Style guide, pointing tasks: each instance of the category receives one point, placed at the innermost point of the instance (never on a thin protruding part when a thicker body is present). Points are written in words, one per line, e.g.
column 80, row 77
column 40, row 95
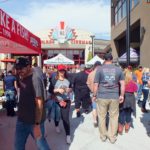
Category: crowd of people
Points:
column 107, row 90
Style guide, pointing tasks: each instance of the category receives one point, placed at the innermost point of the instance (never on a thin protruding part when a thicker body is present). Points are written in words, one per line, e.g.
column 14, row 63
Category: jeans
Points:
column 53, row 110
column 65, row 117
column 23, row 130
column 139, row 92
column 11, row 102
column 145, row 97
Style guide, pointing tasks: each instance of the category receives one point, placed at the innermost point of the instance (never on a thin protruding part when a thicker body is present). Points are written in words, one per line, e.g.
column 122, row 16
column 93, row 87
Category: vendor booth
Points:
column 94, row 59
column 134, row 57
column 59, row 59
column 16, row 39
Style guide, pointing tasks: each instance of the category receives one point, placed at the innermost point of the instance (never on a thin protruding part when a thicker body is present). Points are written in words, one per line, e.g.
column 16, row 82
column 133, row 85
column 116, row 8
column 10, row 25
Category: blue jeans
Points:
column 11, row 102
column 10, row 95
column 145, row 97
column 53, row 110
column 23, row 130
column 125, row 116
column 139, row 92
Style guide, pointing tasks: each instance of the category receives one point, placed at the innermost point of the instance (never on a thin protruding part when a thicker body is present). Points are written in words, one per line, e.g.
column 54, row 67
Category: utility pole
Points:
column 92, row 37
column 128, row 31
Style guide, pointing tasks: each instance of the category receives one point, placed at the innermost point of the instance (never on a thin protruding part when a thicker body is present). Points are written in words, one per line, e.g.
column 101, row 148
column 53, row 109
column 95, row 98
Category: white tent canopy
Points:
column 94, row 59
column 59, row 59
column 133, row 56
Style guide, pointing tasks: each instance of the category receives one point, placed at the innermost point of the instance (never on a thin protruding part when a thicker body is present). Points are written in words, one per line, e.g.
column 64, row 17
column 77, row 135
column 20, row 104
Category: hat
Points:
column 97, row 63
column 108, row 56
column 61, row 67
column 21, row 62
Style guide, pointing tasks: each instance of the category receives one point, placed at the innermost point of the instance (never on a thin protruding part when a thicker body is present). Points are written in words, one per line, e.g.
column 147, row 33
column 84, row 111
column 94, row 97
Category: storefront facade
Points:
column 75, row 44
column 139, row 30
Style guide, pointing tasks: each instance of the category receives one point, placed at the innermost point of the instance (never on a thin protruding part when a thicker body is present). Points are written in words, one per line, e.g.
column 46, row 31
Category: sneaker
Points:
column 68, row 139
column 113, row 140
column 104, row 138
column 78, row 114
column 86, row 111
column 144, row 110
column 57, row 130
column 95, row 124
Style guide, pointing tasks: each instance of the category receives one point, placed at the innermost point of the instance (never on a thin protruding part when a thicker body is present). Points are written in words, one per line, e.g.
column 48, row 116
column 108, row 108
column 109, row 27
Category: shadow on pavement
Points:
column 145, row 119
column 56, row 141
column 75, row 122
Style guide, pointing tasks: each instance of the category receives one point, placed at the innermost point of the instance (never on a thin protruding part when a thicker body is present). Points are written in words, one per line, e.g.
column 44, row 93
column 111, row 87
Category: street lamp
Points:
column 128, row 31
column 92, row 37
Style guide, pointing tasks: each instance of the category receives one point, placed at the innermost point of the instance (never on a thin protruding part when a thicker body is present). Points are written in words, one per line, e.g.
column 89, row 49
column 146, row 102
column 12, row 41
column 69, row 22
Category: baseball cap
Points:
column 108, row 56
column 97, row 63
column 21, row 62
column 61, row 67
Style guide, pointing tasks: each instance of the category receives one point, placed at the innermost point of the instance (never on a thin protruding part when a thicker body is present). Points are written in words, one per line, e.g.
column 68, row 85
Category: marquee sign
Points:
column 62, row 33
column 13, row 31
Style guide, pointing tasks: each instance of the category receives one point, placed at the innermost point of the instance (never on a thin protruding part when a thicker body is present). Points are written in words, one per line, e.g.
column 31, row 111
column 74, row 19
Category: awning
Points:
column 59, row 59
column 134, row 57
column 94, row 59
column 16, row 39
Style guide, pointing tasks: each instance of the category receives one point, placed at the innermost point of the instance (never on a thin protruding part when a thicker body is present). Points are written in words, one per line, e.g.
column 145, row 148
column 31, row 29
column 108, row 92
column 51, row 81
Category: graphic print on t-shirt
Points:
column 109, row 77
column 63, row 85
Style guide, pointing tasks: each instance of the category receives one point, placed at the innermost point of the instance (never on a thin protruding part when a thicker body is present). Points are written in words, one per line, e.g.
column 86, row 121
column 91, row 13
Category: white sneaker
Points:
column 68, row 139
column 57, row 129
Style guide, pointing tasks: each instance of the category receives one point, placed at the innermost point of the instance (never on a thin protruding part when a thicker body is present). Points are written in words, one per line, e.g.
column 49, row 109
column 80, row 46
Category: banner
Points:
column 12, row 30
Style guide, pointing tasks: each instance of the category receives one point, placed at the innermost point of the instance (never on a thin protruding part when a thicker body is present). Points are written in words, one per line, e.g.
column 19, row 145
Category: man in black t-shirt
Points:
column 31, row 111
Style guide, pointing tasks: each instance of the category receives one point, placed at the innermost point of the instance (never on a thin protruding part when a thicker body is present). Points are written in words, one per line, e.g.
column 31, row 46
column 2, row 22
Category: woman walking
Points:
column 62, row 90
column 129, row 104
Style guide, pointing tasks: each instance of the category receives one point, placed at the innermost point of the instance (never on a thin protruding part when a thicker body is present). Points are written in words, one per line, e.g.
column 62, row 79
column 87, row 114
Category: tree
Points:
column 89, row 56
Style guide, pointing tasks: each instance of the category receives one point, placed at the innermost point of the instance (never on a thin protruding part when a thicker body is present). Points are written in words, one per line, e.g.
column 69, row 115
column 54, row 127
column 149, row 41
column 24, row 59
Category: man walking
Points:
column 90, row 84
column 139, row 74
column 108, row 80
column 10, row 88
column 31, row 112
column 82, row 92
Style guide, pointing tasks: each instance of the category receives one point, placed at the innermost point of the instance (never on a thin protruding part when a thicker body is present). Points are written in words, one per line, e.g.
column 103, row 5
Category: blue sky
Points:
column 38, row 15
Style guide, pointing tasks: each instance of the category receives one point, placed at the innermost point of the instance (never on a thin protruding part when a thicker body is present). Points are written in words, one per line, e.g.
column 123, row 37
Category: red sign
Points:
column 13, row 31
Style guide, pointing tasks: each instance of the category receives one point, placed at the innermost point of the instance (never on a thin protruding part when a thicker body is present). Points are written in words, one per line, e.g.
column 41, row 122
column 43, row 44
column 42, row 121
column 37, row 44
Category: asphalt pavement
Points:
column 83, row 134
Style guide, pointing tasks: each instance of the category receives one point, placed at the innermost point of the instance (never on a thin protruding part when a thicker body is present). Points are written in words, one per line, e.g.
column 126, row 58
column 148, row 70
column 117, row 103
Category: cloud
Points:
column 92, row 16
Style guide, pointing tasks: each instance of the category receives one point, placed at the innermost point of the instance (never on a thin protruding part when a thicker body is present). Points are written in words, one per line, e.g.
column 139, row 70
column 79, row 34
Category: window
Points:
column 130, row 4
column 119, row 15
column 136, row 2
column 116, row 18
column 70, row 54
column 124, row 11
